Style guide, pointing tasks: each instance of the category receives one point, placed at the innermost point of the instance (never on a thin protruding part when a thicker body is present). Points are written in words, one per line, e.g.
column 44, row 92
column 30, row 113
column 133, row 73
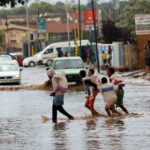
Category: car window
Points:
column 5, row 58
column 8, row 67
column 48, row 51
column 58, row 49
column 68, row 64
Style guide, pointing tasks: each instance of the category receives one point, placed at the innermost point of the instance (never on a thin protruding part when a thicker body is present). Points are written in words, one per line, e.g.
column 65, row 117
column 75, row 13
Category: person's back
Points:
column 108, row 91
column 62, row 83
column 109, row 96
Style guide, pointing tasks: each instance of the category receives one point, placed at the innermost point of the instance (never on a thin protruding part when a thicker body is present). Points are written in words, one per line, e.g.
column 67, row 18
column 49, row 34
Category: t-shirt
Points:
column 117, row 80
column 104, row 56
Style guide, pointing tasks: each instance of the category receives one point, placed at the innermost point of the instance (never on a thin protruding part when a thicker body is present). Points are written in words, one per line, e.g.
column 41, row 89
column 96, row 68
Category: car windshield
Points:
column 5, row 58
column 68, row 64
column 8, row 67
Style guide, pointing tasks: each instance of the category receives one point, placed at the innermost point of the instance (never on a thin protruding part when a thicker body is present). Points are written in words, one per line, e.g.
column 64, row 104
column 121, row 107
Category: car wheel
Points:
column 49, row 63
column 31, row 64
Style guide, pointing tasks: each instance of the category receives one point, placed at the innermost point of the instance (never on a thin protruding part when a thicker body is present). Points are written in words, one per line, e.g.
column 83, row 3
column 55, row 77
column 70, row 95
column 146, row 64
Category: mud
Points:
column 47, row 86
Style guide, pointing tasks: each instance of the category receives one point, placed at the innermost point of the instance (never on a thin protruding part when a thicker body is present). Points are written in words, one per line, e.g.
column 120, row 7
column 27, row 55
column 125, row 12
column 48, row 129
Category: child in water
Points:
column 109, row 96
column 91, row 88
column 60, row 86
column 118, row 82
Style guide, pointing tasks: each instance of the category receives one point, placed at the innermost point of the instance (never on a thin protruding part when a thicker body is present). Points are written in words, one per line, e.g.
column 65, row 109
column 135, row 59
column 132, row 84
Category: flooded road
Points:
column 21, row 126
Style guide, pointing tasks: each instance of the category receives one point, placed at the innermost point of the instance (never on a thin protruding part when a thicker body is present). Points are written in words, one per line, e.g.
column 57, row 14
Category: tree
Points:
column 127, row 18
column 110, row 32
column 42, row 7
column 95, row 4
column 12, row 3
column 60, row 4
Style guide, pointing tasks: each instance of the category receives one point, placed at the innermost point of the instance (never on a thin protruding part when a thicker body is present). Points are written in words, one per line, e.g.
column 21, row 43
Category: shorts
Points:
column 58, row 100
column 120, row 97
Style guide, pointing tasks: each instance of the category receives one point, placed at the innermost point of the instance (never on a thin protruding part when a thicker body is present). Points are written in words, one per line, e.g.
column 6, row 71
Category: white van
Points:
column 49, row 53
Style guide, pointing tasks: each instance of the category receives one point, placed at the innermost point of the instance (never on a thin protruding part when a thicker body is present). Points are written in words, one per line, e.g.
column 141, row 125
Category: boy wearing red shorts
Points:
column 92, row 79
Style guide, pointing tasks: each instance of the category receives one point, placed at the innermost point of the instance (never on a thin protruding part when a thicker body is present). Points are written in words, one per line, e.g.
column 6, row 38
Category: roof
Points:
column 13, row 26
column 61, row 27
column 67, row 58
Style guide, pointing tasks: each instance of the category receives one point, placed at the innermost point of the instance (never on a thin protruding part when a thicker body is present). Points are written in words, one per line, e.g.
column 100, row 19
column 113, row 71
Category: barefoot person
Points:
column 109, row 96
column 91, row 81
column 60, row 86
column 118, row 82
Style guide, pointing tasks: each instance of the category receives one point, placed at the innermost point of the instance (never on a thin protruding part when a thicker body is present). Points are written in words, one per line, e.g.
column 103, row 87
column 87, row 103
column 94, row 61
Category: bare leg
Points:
column 108, row 111
column 124, row 109
column 114, row 110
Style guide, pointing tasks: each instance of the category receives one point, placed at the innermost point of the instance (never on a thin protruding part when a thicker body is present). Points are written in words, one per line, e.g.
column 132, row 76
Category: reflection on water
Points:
column 114, row 123
column 21, row 126
column 92, row 136
column 59, row 137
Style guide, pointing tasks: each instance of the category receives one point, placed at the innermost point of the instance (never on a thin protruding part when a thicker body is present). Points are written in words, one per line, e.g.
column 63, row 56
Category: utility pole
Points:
column 79, row 24
column 94, row 18
column 68, row 29
column 75, row 32
column 6, row 23
column 38, row 39
column 28, row 32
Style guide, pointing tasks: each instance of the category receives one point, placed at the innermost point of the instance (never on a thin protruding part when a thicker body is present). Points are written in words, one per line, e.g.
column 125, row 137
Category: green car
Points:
column 72, row 67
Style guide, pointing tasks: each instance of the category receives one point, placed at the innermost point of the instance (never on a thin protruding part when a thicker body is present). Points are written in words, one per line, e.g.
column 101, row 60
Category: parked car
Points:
column 72, row 67
column 18, row 57
column 49, row 53
column 5, row 57
column 10, row 72
column 32, row 61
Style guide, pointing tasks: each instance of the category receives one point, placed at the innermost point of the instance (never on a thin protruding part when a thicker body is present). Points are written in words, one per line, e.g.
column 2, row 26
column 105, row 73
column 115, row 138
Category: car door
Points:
column 48, row 54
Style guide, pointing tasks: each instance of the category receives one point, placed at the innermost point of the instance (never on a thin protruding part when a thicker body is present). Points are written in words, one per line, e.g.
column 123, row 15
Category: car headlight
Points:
column 16, row 76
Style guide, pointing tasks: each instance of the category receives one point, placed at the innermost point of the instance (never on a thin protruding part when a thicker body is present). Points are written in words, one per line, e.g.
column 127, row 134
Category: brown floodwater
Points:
column 22, row 128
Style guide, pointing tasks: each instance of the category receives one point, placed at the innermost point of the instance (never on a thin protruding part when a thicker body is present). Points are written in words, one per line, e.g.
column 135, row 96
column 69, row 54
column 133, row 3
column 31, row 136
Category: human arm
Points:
column 55, row 84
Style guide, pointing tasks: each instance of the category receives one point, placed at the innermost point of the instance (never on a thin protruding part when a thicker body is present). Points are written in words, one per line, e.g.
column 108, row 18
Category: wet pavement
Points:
column 32, row 76
column 22, row 128
column 37, row 76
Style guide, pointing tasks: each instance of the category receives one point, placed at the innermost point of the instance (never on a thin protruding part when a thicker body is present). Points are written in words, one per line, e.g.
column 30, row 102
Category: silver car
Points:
column 5, row 58
column 9, row 72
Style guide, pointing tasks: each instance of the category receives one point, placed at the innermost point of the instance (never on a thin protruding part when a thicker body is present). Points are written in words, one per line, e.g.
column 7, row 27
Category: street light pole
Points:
column 6, row 23
column 27, row 19
column 68, row 29
column 79, row 24
column 94, row 18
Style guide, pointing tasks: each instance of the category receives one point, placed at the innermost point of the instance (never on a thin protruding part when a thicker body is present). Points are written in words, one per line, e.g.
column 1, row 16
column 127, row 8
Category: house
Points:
column 58, row 30
column 13, row 35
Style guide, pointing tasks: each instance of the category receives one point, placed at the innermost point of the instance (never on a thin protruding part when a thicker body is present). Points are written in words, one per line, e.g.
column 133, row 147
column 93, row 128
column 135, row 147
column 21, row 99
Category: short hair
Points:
column 82, row 73
column 104, row 80
column 92, row 71
column 111, row 69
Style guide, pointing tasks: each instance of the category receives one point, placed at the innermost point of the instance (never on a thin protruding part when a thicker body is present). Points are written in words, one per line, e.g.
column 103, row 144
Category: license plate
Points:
column 71, row 83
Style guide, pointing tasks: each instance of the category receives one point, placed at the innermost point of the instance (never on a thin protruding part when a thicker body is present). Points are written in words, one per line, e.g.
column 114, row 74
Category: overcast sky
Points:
column 82, row 1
